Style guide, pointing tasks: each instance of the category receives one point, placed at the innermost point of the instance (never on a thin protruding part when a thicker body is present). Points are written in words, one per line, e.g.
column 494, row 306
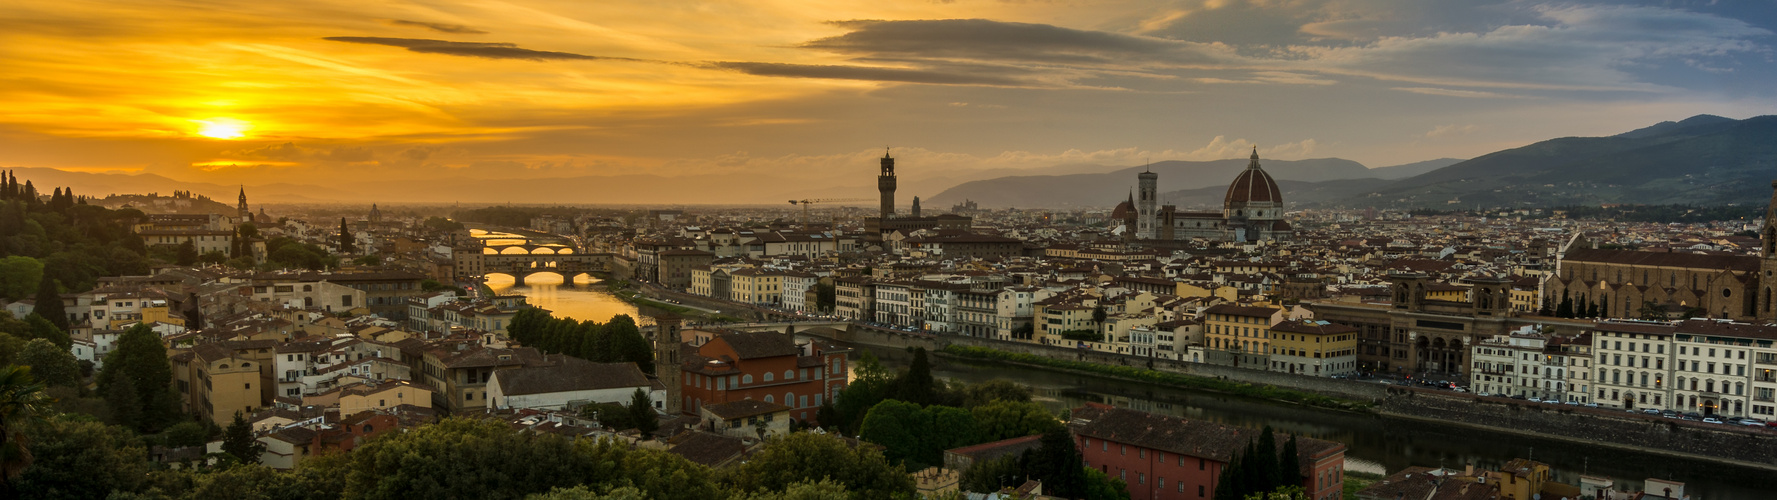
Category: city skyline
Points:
column 483, row 90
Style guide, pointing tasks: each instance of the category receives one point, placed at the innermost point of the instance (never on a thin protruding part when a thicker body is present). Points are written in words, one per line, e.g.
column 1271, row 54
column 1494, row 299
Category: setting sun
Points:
column 222, row 128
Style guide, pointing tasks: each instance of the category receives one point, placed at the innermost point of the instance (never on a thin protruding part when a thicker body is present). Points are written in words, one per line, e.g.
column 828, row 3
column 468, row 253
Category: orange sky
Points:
column 267, row 92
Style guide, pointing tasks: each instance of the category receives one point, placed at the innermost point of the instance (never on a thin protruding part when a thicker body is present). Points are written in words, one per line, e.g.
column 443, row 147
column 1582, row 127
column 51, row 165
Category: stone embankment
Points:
column 1739, row 445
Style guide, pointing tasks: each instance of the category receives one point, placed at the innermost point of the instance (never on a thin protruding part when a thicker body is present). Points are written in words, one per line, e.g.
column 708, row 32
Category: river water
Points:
column 1374, row 444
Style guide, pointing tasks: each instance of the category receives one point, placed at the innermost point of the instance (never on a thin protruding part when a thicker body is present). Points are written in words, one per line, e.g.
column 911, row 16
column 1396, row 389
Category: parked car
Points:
column 1483, row 393
column 1651, row 411
column 1534, row 399
column 1712, row 420
column 1573, row 403
column 1752, row 422
column 1591, row 405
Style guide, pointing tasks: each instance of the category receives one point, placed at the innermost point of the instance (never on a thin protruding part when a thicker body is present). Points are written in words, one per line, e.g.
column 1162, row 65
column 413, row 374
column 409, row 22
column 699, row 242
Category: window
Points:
column 745, row 379
column 789, row 374
column 767, row 376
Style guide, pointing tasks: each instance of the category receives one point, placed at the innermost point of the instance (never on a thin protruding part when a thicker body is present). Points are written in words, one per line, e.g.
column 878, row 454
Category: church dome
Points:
column 1124, row 210
column 1253, row 186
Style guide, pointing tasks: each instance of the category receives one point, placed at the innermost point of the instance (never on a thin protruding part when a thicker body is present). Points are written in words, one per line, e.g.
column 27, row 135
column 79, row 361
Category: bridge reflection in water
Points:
column 583, row 299
column 1374, row 443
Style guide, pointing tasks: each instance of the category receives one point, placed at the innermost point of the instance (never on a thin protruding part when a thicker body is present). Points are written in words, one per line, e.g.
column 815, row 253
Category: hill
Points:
column 1705, row 160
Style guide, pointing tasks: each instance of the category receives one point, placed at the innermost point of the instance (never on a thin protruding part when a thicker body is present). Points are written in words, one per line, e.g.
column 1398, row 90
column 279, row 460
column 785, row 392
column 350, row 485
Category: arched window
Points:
column 746, row 379
column 789, row 374
column 790, row 399
column 768, row 399
column 308, row 288
column 767, row 376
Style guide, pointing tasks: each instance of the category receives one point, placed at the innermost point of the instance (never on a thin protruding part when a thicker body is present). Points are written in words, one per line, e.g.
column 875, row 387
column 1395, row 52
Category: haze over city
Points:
column 774, row 98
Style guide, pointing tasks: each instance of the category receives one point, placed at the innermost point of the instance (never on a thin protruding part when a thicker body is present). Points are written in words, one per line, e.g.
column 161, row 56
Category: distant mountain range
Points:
column 1705, row 160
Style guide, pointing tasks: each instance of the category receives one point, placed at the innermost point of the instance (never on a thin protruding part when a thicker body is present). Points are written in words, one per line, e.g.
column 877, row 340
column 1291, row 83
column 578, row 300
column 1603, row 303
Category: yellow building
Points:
column 1316, row 348
column 1055, row 319
column 215, row 381
column 756, row 286
column 1227, row 293
column 1446, row 291
column 1238, row 335
column 1520, row 479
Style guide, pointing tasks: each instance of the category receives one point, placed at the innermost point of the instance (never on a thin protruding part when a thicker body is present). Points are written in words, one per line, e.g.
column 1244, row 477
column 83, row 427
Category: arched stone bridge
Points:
column 566, row 262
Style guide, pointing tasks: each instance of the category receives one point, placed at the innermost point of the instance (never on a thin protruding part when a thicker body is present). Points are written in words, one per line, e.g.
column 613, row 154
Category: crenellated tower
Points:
column 885, row 183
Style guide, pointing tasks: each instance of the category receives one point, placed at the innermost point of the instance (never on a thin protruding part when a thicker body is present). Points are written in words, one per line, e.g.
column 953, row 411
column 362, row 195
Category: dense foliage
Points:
column 1057, row 463
column 136, row 382
column 73, row 243
column 802, row 457
column 1261, row 469
column 620, row 340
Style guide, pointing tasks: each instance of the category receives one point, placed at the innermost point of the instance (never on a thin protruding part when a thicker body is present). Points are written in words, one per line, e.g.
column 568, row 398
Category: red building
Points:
column 1167, row 458
column 766, row 366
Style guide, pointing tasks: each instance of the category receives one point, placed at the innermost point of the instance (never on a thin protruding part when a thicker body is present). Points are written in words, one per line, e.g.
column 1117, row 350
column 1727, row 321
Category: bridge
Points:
column 521, row 261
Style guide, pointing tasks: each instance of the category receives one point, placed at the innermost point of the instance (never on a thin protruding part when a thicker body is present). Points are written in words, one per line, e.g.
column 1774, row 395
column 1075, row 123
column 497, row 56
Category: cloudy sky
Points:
column 321, row 90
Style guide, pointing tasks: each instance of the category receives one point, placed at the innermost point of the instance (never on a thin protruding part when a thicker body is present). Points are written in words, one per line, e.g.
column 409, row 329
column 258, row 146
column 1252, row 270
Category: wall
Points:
column 1715, row 442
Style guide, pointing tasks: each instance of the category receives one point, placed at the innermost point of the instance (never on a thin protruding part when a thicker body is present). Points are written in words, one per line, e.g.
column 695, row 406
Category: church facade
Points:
column 1252, row 210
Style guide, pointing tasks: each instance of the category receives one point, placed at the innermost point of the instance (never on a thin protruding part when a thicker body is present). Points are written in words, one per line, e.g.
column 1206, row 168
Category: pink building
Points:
column 1167, row 458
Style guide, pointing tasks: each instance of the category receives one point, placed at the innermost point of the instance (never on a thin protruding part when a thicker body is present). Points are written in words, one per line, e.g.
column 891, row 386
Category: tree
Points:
column 627, row 343
column 347, row 244
column 917, row 385
column 22, row 401
column 139, row 358
column 896, row 425
column 1281, row 493
column 1289, row 468
column 187, row 253
column 1100, row 486
column 1565, row 310
column 49, row 303
column 826, row 296
column 1059, row 465
column 238, row 441
column 989, row 476
column 1008, row 419
column 641, row 413
column 185, row 434
column 1098, row 315
column 49, row 363
column 43, row 328
column 988, row 392
column 17, row 275
column 800, row 457
column 463, row 458
column 76, row 458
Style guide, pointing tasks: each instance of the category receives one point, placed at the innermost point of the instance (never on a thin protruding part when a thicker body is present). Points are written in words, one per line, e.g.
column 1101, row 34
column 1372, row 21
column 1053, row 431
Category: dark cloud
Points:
column 469, row 49
column 987, row 40
column 869, row 73
column 438, row 27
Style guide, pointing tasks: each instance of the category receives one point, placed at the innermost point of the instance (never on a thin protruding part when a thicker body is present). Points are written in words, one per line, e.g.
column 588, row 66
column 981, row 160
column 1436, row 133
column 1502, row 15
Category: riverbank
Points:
column 623, row 291
column 1133, row 374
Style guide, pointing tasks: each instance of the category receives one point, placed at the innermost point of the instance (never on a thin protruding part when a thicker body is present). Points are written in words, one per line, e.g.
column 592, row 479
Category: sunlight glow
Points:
column 222, row 128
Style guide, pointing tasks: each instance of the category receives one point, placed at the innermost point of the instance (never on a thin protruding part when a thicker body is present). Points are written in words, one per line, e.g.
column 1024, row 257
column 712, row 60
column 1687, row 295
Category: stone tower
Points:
column 1765, row 310
column 885, row 183
column 1144, row 207
column 668, row 368
column 915, row 211
column 246, row 214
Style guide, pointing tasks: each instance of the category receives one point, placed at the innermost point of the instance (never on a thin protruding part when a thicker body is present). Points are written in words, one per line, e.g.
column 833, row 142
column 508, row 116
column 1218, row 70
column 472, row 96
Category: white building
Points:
column 1633, row 361
column 1524, row 363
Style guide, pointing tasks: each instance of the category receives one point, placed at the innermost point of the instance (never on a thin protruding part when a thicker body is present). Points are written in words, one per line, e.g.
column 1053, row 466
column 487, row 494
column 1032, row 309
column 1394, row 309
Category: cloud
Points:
column 988, row 40
column 879, row 74
column 469, row 49
column 1450, row 130
column 291, row 152
column 1453, row 92
column 438, row 27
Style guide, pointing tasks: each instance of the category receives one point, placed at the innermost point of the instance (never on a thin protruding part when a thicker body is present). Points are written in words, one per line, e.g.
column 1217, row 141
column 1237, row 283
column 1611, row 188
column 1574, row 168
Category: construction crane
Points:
column 806, row 203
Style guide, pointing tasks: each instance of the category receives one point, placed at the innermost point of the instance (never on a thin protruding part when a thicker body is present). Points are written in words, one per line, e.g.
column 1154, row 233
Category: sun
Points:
column 222, row 128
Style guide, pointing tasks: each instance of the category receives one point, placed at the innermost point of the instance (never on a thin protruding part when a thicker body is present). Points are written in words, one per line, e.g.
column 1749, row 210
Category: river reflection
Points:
column 584, row 299
column 1373, row 443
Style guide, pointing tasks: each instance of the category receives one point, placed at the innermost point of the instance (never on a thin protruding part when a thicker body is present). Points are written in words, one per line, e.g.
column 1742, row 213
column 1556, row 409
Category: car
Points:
column 1459, row 389
column 1591, row 405
column 1712, row 420
column 1483, row 393
column 1573, row 403
column 1752, row 422
column 1694, row 416
column 1518, row 397
column 1534, row 399
column 1651, row 411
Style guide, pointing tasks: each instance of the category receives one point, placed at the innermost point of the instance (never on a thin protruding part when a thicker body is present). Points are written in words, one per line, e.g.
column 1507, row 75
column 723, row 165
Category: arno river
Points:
column 1374, row 444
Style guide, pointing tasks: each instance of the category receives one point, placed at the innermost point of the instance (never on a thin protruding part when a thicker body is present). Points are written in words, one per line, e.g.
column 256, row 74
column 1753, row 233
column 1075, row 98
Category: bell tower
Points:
column 885, row 183
column 668, row 368
column 1764, row 310
column 246, row 214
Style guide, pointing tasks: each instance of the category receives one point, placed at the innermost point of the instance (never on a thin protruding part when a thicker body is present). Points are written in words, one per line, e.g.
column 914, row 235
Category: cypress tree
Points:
column 1266, row 463
column 49, row 303
column 641, row 412
column 1565, row 310
column 1290, row 464
column 917, row 385
column 187, row 253
column 238, row 441
column 346, row 245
